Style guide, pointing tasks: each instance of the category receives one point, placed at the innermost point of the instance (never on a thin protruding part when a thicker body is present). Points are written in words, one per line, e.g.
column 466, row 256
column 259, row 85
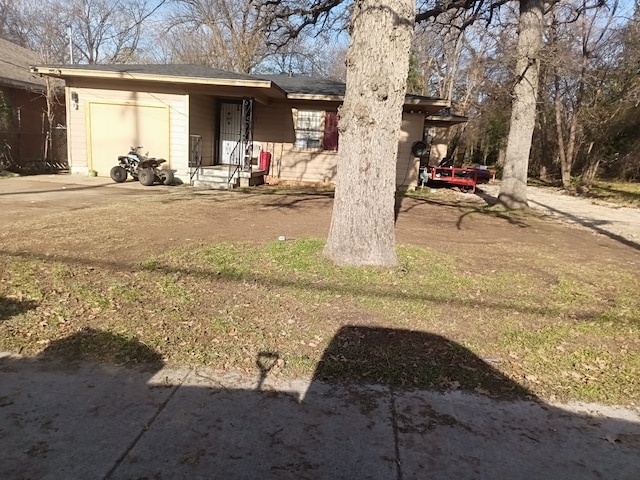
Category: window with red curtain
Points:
column 330, row 139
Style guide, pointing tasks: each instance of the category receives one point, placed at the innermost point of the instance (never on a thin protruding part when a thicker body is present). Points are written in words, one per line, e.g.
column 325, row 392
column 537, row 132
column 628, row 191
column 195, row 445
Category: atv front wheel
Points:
column 118, row 174
column 146, row 176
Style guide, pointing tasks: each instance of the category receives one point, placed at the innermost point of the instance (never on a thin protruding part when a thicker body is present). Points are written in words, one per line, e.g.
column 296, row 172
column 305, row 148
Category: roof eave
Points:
column 447, row 120
column 308, row 96
column 409, row 103
column 68, row 72
column 419, row 102
column 11, row 83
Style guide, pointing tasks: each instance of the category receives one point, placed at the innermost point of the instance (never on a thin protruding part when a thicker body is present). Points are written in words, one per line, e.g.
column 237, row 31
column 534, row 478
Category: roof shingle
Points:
column 14, row 66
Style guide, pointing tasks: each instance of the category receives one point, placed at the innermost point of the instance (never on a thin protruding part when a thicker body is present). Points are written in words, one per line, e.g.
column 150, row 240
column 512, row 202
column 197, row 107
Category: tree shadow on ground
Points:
column 275, row 279
column 594, row 225
column 10, row 307
column 297, row 200
column 64, row 187
column 490, row 200
column 633, row 197
column 104, row 421
column 405, row 204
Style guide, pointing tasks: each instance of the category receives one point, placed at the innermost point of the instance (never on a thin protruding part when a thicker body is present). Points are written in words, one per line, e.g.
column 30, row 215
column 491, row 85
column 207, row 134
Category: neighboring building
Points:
column 202, row 120
column 24, row 128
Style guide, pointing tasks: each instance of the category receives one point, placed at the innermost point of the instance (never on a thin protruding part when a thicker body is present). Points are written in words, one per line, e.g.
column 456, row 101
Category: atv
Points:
column 149, row 173
column 141, row 168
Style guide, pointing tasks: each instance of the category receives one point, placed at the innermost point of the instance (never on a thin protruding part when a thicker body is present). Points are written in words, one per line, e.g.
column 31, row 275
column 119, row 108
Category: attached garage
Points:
column 114, row 127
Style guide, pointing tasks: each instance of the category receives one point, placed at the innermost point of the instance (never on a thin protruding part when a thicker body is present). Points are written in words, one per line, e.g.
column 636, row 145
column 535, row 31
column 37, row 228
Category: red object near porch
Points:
column 265, row 161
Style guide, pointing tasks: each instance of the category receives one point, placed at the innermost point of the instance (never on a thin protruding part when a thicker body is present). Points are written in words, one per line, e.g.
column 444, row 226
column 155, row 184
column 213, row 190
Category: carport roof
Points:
column 445, row 118
column 308, row 88
column 301, row 87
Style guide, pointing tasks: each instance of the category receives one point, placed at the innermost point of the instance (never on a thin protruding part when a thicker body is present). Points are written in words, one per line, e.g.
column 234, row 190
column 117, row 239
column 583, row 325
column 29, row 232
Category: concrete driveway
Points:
column 39, row 195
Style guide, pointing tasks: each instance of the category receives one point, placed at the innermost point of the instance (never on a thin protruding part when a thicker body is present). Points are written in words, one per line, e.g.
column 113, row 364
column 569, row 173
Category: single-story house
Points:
column 203, row 121
column 23, row 106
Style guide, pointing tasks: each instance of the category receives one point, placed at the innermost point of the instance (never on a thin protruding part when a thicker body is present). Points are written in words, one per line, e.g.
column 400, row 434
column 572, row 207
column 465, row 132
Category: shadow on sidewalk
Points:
column 80, row 419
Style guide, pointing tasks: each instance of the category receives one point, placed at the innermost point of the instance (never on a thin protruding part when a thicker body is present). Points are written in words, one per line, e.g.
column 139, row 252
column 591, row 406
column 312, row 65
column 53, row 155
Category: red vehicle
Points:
column 467, row 178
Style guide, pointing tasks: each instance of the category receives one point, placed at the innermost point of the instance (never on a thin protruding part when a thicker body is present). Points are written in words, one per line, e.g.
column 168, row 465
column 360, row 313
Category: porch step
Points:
column 213, row 185
column 217, row 178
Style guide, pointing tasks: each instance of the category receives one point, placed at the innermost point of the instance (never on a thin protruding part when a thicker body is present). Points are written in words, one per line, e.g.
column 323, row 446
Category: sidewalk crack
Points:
column 146, row 427
column 396, row 440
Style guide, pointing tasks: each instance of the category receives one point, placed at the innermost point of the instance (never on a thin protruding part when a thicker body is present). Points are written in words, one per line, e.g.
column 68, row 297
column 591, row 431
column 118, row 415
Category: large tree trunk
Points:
column 362, row 228
column 513, row 192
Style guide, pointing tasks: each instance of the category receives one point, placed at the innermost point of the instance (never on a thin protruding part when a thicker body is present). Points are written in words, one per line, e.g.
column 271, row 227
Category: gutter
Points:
column 68, row 72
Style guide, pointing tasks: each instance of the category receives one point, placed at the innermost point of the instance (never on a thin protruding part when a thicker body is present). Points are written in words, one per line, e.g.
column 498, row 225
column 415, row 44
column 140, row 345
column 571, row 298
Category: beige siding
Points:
column 76, row 132
column 408, row 165
column 274, row 129
column 439, row 146
column 113, row 125
column 79, row 122
column 296, row 165
column 202, row 122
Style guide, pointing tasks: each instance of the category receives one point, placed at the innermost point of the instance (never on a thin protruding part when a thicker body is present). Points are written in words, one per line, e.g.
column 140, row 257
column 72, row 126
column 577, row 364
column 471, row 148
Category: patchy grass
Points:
column 556, row 330
column 281, row 189
column 622, row 193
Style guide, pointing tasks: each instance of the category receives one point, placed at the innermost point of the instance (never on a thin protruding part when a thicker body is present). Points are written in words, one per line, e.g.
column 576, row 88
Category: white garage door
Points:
column 116, row 127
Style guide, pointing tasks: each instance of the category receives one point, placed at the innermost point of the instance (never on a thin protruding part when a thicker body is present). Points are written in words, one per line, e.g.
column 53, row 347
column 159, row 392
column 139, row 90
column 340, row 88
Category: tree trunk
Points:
column 590, row 170
column 513, row 191
column 565, row 164
column 362, row 228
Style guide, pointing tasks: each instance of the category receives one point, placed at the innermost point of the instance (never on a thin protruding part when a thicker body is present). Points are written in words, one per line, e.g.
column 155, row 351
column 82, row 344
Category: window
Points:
column 316, row 129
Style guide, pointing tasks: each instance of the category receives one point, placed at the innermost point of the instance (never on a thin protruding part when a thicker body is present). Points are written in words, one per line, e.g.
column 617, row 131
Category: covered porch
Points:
column 222, row 151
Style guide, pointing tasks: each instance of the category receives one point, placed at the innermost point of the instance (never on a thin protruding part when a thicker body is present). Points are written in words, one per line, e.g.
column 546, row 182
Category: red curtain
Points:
column 330, row 141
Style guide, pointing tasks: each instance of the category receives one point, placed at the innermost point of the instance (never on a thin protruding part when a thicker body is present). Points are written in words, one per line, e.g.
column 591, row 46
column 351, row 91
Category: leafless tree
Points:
column 108, row 31
column 318, row 54
column 102, row 31
column 229, row 34
column 578, row 44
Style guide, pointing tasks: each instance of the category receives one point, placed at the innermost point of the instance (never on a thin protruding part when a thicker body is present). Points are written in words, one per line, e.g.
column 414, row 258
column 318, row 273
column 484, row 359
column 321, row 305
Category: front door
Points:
column 231, row 133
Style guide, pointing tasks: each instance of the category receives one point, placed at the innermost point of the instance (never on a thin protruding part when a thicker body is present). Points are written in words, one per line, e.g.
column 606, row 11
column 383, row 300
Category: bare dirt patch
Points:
column 136, row 222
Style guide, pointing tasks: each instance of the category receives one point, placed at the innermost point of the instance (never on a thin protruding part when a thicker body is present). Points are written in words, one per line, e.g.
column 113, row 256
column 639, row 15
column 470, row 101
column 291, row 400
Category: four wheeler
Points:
column 141, row 168
column 149, row 173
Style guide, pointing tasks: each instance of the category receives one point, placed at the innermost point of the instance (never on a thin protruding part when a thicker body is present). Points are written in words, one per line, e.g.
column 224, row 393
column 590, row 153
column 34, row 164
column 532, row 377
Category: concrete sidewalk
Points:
column 92, row 422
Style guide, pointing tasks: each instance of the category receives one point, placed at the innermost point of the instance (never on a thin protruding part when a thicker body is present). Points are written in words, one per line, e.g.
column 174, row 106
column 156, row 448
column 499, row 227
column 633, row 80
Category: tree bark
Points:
column 362, row 228
column 513, row 191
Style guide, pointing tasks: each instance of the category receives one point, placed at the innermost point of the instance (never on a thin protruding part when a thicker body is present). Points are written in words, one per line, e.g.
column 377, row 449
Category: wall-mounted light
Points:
column 74, row 100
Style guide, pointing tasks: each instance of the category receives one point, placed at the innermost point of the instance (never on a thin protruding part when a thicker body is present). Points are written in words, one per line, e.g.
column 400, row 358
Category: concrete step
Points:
column 213, row 185
column 217, row 177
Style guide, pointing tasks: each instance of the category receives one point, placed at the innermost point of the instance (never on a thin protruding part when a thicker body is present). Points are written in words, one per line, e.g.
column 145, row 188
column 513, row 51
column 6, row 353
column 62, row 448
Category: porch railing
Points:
column 244, row 143
column 195, row 157
column 234, row 167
